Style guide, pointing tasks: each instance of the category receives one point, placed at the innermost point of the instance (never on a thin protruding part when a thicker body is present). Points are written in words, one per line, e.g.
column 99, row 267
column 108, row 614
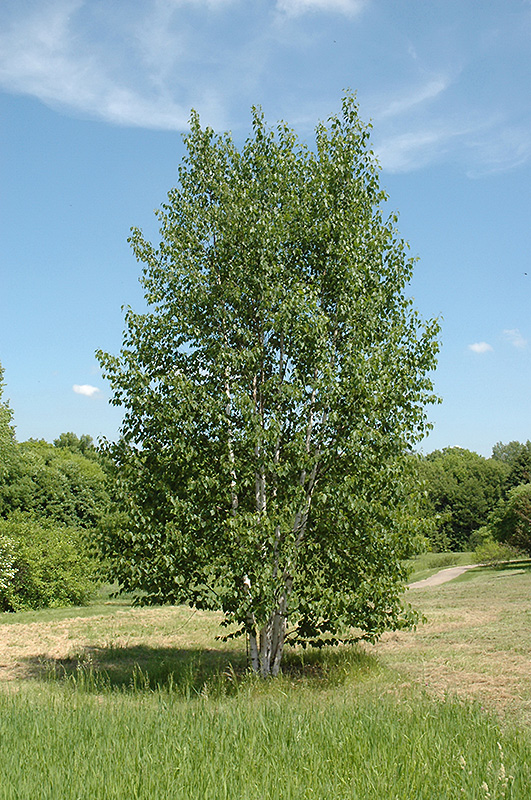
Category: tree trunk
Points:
column 267, row 648
column 254, row 654
column 272, row 637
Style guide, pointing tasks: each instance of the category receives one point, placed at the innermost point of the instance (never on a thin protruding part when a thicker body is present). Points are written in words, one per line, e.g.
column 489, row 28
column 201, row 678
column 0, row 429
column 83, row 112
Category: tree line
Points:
column 53, row 497
column 56, row 511
column 473, row 502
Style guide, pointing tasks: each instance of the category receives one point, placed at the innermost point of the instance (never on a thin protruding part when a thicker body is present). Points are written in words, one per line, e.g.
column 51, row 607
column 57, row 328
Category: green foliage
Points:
column 517, row 457
column 77, row 444
column 8, row 447
column 481, row 536
column 55, row 482
column 43, row 564
column 8, row 569
column 507, row 453
column 47, row 493
column 272, row 391
column 511, row 522
column 462, row 490
column 492, row 552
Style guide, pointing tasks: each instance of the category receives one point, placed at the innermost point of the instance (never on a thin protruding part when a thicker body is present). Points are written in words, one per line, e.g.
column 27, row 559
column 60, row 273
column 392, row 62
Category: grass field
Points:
column 113, row 702
column 429, row 563
column 476, row 641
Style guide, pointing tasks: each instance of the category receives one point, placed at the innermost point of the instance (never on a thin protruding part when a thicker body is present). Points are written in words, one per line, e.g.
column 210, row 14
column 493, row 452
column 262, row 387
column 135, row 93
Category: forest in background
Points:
column 55, row 499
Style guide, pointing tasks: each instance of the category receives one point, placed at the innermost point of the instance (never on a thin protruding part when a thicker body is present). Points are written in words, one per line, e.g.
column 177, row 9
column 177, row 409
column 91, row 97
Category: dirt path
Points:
column 442, row 576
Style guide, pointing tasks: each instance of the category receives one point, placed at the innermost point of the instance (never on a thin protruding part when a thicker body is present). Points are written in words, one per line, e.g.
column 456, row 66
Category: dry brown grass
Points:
column 27, row 649
column 476, row 641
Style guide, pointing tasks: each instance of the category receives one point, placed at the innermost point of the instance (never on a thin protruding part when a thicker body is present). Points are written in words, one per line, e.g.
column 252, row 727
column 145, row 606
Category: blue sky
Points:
column 94, row 96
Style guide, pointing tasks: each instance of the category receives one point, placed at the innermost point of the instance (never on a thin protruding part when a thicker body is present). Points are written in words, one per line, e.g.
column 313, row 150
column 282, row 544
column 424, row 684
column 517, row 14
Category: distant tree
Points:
column 507, row 453
column 462, row 489
column 49, row 497
column 272, row 392
column 517, row 457
column 511, row 521
column 54, row 482
column 8, row 446
column 76, row 444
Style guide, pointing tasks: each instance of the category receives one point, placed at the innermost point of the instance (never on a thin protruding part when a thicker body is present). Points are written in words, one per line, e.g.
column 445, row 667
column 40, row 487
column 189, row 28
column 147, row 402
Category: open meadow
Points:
column 110, row 701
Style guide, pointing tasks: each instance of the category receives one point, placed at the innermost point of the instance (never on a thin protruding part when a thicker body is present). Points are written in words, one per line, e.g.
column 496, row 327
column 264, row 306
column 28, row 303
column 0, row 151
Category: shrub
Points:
column 480, row 537
column 8, row 554
column 491, row 552
column 43, row 564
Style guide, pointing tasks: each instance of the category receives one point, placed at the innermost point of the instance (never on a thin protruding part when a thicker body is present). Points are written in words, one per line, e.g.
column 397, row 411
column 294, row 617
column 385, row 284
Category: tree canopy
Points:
column 510, row 523
column 517, row 457
column 462, row 490
column 272, row 390
column 56, row 483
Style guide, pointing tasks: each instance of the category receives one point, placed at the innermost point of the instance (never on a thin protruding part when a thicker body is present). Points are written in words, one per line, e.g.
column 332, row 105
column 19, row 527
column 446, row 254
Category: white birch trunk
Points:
column 233, row 494
column 253, row 647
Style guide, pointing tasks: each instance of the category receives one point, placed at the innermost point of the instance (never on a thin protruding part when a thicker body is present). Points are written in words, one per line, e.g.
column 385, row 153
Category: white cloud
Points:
column 402, row 152
column 484, row 144
column 500, row 148
column 146, row 63
column 515, row 338
column 480, row 347
column 85, row 389
column 211, row 3
column 294, row 8
column 49, row 53
column 412, row 99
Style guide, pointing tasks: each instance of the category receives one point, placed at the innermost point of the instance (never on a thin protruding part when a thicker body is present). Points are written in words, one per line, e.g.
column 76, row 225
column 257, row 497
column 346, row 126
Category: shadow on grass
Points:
column 192, row 672
column 502, row 569
column 140, row 667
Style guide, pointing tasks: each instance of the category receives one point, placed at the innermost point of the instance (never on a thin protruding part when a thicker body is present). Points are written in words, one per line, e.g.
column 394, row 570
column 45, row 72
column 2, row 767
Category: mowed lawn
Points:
column 113, row 702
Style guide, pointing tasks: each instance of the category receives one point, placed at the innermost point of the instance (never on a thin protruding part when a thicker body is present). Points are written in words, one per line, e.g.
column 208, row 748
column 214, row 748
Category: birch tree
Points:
column 271, row 392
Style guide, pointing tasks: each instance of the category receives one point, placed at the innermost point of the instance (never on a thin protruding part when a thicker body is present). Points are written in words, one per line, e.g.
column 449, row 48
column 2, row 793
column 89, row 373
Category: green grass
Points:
column 428, row 564
column 281, row 741
column 114, row 702
column 476, row 639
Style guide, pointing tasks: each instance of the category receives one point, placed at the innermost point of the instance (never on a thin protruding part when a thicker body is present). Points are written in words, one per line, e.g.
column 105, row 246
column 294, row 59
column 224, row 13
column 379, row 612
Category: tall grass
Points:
column 80, row 739
column 146, row 704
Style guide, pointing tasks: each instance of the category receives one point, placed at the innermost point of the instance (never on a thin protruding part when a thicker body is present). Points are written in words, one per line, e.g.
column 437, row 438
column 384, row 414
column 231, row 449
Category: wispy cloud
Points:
column 147, row 62
column 402, row 152
column 515, row 338
column 49, row 53
column 294, row 8
column 499, row 148
column 480, row 347
column 85, row 389
column 413, row 98
column 485, row 146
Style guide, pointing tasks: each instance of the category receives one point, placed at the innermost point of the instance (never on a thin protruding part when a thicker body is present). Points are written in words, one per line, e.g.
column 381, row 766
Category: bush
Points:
column 491, row 552
column 43, row 564
column 480, row 537
column 441, row 560
column 8, row 553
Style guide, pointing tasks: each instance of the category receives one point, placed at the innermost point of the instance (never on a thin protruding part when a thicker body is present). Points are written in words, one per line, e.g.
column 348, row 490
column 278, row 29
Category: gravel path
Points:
column 441, row 577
